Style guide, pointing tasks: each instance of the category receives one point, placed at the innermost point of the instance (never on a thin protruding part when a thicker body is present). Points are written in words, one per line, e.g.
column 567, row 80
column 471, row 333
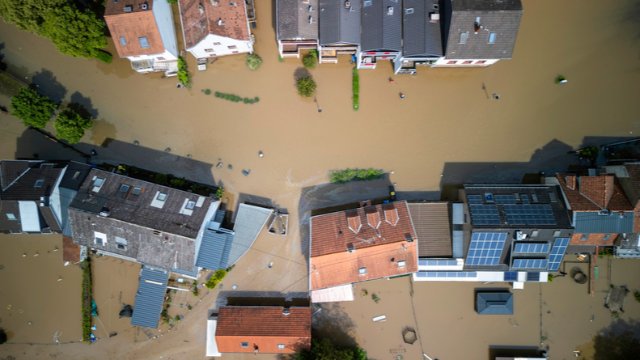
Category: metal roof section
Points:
column 333, row 294
column 150, row 297
column 421, row 28
column 339, row 22
column 494, row 303
column 603, row 222
column 29, row 216
column 249, row 222
column 457, row 222
column 381, row 25
column 432, row 225
column 215, row 249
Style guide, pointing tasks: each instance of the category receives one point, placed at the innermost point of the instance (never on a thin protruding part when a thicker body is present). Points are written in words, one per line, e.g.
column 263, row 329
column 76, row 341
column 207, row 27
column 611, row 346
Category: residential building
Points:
column 422, row 35
column 381, row 32
column 339, row 29
column 35, row 194
column 366, row 243
column 479, row 33
column 494, row 302
column 215, row 28
column 629, row 177
column 259, row 329
column 297, row 26
column 600, row 211
column 143, row 32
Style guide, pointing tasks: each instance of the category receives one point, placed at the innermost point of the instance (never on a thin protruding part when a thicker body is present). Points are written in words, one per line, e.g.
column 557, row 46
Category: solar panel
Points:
column 504, row 199
column 557, row 253
column 439, row 262
column 531, row 248
column 485, row 248
column 474, row 199
column 533, row 276
column 446, row 274
column 482, row 214
column 529, row 264
column 511, row 276
column 529, row 214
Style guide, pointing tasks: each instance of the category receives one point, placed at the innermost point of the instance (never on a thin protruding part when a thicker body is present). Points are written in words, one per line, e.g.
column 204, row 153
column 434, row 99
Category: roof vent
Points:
column 389, row 10
column 104, row 212
column 220, row 22
column 347, row 4
column 144, row 6
column 286, row 312
column 128, row 8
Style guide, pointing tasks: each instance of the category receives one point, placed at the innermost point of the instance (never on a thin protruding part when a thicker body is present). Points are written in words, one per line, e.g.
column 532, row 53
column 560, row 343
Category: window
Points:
column 492, row 38
column 97, row 184
column 121, row 243
column 136, row 190
column 467, row 62
column 161, row 196
column 402, row 263
column 463, row 37
column 583, row 237
column 124, row 188
column 208, row 50
column 231, row 47
column 99, row 238
column 11, row 216
column 39, row 183
column 451, row 62
column 481, row 61
column 190, row 205
column 244, row 344
column 144, row 42
column 123, row 41
column 161, row 58
column 408, row 11
column 556, row 233
column 217, row 44
column 362, row 271
column 281, row 346
column 235, row 52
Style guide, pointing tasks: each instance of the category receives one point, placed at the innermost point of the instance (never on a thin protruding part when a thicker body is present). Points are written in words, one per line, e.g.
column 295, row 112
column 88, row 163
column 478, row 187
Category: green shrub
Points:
column 375, row 298
column 184, row 77
column 220, row 192
column 206, row 91
column 236, row 98
column 306, row 86
column 253, row 61
column 356, row 89
column 194, row 288
column 86, row 299
column 346, row 175
column 104, row 56
column 310, row 60
column 33, row 109
column 70, row 126
column 215, row 278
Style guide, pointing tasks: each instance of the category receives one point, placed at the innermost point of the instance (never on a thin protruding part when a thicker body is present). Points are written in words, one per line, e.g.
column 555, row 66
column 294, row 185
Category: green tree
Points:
column 70, row 125
column 324, row 349
column 253, row 61
column 27, row 14
column 32, row 108
column 74, row 32
column 310, row 60
column 306, row 86
column 183, row 73
column 215, row 278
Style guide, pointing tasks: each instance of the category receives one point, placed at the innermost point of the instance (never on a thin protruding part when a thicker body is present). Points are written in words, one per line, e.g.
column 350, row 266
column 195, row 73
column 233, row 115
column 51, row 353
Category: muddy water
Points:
column 446, row 116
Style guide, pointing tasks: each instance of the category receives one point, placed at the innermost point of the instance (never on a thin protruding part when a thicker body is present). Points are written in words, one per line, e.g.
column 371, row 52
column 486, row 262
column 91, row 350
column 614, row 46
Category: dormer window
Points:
column 97, row 184
column 39, row 183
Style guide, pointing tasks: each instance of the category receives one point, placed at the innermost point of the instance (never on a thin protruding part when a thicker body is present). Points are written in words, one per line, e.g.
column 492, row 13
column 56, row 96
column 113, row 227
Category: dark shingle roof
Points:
column 494, row 303
column 381, row 25
column 36, row 180
column 293, row 19
column 422, row 37
column 431, row 221
column 74, row 175
column 498, row 17
column 339, row 24
column 150, row 297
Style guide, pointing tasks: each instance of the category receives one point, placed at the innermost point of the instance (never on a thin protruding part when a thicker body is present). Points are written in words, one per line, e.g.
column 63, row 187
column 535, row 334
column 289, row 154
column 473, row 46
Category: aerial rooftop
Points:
column 133, row 27
column 218, row 17
column 339, row 22
column 297, row 20
column 381, row 25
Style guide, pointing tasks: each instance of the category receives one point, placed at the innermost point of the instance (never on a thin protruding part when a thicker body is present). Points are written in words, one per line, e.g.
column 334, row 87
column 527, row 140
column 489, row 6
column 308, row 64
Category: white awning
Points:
column 336, row 293
column 212, row 346
column 29, row 217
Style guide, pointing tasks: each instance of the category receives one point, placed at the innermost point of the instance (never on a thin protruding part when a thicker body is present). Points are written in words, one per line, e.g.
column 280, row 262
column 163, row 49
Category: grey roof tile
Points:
column 339, row 24
column 592, row 222
column 381, row 25
column 214, row 250
column 494, row 303
column 422, row 37
column 293, row 19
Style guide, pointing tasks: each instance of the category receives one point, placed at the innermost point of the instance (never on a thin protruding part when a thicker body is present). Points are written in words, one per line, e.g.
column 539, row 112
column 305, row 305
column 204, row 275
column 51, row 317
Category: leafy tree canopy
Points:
column 27, row 14
column 306, row 86
column 74, row 32
column 324, row 349
column 253, row 61
column 310, row 60
column 32, row 108
column 70, row 126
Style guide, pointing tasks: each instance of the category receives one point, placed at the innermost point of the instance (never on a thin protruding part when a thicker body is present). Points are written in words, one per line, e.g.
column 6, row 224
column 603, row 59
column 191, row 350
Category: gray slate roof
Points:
column 293, row 19
column 150, row 297
column 500, row 17
column 381, row 25
column 19, row 177
column 591, row 222
column 422, row 37
column 494, row 303
column 339, row 24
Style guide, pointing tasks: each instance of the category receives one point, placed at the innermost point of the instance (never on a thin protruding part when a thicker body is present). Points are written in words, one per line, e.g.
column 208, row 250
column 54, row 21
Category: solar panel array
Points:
column 446, row 274
column 510, row 276
column 504, row 199
column 529, row 264
column 485, row 248
column 438, row 262
column 474, row 199
column 531, row 248
column 482, row 214
column 533, row 214
column 557, row 253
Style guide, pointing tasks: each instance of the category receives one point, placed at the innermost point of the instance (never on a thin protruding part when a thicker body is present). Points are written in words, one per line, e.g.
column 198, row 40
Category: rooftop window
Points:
column 137, row 190
column 123, row 41
column 97, row 184
column 281, row 346
column 402, row 263
column 362, row 271
column 161, row 196
column 124, row 188
column 144, row 42
column 121, row 243
column 463, row 37
column 11, row 216
column 39, row 183
column 244, row 344
column 190, row 205
column 492, row 38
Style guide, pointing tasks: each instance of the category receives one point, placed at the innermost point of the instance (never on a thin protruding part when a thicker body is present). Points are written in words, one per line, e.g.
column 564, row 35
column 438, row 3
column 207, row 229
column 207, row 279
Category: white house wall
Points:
column 164, row 56
column 215, row 45
column 444, row 62
column 164, row 20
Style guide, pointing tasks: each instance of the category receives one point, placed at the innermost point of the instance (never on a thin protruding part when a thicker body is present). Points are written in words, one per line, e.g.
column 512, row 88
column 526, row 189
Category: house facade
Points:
column 422, row 39
column 143, row 32
column 479, row 33
column 297, row 26
column 381, row 32
column 367, row 243
column 215, row 28
column 339, row 29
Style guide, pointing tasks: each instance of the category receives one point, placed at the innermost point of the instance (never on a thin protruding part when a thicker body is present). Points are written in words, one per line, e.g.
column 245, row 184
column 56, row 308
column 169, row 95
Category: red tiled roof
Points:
column 593, row 239
column 131, row 26
column 335, row 232
column 263, row 328
column 593, row 193
column 70, row 250
column 226, row 18
column 634, row 175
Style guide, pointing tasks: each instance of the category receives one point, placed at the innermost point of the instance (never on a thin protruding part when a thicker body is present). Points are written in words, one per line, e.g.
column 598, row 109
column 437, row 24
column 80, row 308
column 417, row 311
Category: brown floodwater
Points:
column 447, row 117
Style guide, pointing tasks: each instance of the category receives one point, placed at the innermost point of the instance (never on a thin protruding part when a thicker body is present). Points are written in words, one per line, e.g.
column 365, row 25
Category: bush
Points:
column 104, row 56
column 70, row 126
column 310, row 60
column 206, row 91
column 326, row 349
column 215, row 278
column 194, row 288
column 86, row 299
column 356, row 89
column 236, row 98
column 220, row 192
column 253, row 61
column 306, row 86
column 183, row 73
column 346, row 175
column 32, row 108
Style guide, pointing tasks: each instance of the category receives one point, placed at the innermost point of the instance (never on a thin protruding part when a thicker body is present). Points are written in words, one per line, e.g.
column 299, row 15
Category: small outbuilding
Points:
column 494, row 302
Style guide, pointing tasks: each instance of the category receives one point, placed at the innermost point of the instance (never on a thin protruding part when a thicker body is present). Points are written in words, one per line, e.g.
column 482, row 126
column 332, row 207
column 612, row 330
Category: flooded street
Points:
column 447, row 129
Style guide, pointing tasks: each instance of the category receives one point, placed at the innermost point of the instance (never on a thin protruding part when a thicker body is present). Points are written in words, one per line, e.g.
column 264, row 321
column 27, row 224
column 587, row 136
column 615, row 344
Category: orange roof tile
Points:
column 70, row 250
column 593, row 239
column 263, row 328
column 127, row 27
column 593, row 193
column 226, row 18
